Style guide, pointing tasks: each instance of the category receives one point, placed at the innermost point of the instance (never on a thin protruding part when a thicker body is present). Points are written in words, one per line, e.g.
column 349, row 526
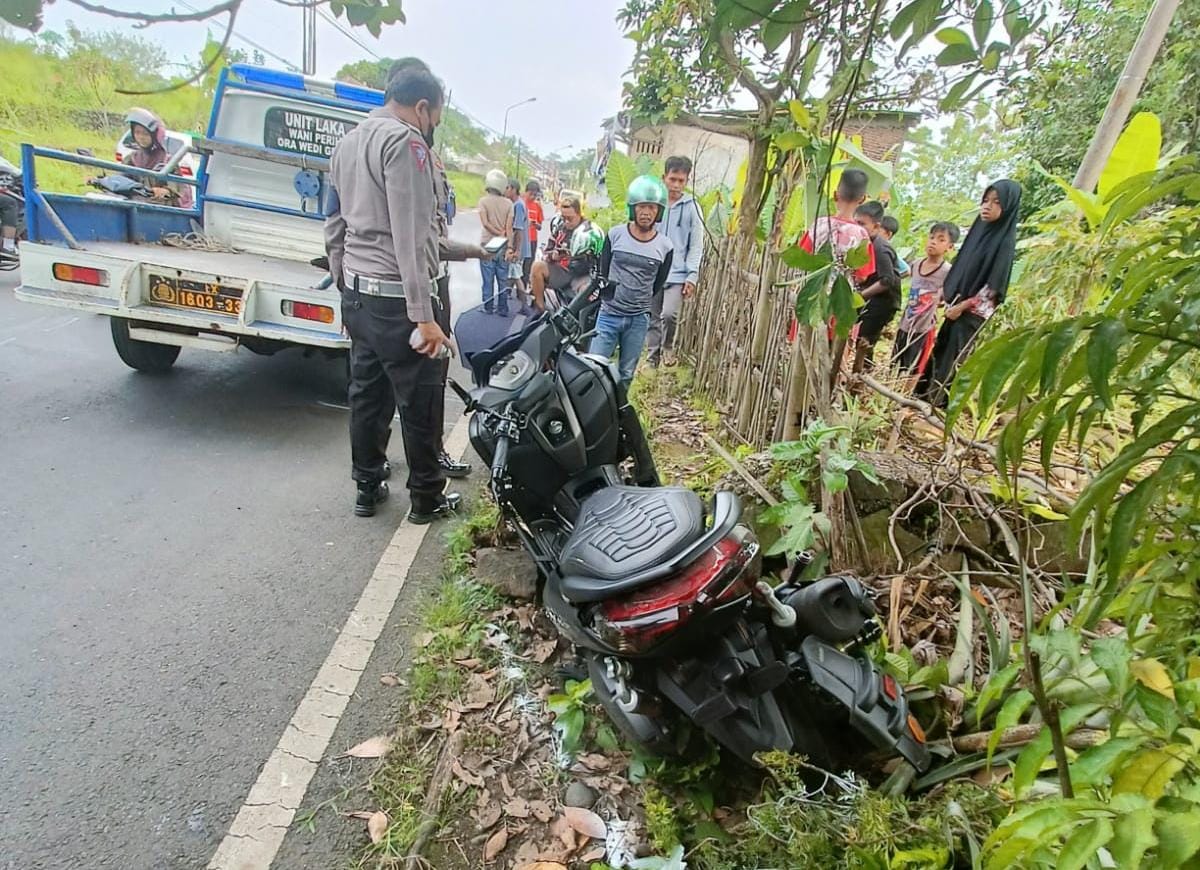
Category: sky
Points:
column 571, row 56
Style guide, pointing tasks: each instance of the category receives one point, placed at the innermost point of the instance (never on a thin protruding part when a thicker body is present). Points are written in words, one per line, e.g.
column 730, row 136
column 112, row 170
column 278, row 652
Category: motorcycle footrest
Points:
column 716, row 707
column 766, row 678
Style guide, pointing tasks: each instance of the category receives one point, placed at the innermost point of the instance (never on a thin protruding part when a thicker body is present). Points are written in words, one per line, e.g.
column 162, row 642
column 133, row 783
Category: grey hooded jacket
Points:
column 684, row 226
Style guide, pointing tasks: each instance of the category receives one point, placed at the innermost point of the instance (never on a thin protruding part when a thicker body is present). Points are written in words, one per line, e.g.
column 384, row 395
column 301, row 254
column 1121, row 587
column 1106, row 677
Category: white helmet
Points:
column 495, row 180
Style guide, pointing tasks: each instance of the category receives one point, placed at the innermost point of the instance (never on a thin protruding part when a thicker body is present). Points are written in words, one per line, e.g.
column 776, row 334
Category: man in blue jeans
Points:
column 637, row 260
column 495, row 219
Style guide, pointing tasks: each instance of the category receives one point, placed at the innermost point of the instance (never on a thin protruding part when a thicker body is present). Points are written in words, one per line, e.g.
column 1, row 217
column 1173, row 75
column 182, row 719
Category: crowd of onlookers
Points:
column 968, row 288
column 653, row 261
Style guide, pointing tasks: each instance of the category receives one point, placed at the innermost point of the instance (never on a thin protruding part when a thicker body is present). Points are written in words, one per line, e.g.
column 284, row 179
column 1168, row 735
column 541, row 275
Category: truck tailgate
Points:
column 233, row 293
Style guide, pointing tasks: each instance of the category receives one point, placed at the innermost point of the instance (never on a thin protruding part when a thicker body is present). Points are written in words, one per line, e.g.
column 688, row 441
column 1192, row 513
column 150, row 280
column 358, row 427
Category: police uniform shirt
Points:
column 383, row 221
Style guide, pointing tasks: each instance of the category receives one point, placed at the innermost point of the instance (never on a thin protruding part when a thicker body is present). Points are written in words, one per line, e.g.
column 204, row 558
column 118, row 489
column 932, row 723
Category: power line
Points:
column 248, row 41
column 346, row 33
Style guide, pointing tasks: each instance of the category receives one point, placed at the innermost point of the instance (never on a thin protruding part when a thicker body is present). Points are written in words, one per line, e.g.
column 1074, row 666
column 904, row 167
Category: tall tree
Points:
column 820, row 58
column 1060, row 103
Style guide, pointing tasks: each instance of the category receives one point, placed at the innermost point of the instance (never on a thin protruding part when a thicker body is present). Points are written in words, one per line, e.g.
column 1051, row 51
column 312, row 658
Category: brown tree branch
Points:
column 790, row 62
column 742, row 129
column 157, row 18
column 1019, row 735
column 213, row 61
column 744, row 76
column 926, row 412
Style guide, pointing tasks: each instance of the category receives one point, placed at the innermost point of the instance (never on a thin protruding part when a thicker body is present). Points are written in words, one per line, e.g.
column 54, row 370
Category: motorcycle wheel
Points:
column 642, row 730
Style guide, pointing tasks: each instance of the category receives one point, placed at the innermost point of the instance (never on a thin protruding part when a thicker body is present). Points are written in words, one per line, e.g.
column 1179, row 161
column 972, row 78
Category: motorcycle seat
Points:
column 622, row 533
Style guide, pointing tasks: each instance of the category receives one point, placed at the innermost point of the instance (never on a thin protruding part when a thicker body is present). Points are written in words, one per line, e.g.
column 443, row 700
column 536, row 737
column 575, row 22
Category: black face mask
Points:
column 428, row 137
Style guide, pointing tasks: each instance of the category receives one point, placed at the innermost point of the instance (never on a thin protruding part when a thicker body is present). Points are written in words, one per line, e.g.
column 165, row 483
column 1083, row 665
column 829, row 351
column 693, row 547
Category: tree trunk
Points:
column 756, row 176
column 1125, row 94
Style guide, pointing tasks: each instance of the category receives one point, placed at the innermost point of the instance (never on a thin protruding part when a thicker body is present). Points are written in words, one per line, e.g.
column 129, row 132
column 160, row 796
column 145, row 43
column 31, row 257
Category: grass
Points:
column 60, row 103
column 468, row 187
column 453, row 618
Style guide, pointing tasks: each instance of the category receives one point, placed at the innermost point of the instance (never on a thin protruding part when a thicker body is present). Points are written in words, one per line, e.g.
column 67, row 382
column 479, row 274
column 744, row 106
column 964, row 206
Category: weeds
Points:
column 453, row 620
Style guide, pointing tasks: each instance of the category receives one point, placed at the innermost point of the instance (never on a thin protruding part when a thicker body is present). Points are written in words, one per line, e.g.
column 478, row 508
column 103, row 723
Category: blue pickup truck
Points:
column 242, row 267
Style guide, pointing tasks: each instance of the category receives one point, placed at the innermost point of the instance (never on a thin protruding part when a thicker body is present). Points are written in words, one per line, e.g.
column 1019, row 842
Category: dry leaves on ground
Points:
column 467, row 776
column 377, row 822
column 374, row 747
column 541, row 651
column 586, row 822
column 495, row 844
column 480, row 692
column 377, row 826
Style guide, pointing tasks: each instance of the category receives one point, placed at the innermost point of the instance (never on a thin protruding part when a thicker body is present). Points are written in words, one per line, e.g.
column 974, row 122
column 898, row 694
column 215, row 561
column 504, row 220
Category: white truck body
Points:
column 244, row 277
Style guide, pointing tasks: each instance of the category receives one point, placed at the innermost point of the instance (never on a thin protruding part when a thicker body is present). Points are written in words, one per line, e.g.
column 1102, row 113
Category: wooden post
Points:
column 1125, row 94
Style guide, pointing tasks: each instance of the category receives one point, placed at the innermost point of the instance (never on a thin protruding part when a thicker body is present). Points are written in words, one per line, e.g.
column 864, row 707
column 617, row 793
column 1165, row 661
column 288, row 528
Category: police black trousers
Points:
column 386, row 373
column 442, row 315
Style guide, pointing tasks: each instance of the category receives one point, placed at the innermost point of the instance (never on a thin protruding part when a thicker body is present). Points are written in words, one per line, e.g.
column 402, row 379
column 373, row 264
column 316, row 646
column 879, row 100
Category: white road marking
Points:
column 60, row 325
column 8, row 341
column 262, row 822
column 333, row 405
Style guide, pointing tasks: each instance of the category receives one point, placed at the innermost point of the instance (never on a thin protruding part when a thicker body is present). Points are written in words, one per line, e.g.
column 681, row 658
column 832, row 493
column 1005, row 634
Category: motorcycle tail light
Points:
column 723, row 573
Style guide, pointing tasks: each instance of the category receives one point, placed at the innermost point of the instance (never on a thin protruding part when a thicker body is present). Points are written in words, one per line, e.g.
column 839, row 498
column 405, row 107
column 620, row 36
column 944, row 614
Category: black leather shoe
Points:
column 451, row 468
column 370, row 496
column 426, row 510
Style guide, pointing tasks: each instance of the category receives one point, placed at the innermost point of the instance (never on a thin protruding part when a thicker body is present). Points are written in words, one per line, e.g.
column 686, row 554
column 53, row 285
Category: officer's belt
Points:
column 374, row 286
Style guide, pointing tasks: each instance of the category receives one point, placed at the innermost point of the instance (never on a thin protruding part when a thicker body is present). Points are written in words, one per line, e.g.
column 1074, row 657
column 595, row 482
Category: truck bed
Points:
column 222, row 263
column 268, row 297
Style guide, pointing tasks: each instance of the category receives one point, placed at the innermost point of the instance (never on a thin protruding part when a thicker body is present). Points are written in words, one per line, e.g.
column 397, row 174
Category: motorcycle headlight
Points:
column 512, row 372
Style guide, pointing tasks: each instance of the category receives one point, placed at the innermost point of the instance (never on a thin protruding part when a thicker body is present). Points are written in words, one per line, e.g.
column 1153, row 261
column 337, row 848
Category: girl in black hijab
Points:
column 977, row 283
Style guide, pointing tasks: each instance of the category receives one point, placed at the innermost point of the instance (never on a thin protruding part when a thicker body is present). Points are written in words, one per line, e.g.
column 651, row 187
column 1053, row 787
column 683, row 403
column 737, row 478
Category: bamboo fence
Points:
column 736, row 335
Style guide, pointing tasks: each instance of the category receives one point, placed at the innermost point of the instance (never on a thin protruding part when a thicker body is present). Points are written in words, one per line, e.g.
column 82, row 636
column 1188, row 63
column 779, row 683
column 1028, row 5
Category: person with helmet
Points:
column 636, row 259
column 496, row 218
column 149, row 136
column 558, row 269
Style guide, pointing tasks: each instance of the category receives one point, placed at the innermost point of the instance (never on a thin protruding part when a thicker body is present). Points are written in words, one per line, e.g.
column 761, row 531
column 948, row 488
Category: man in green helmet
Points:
column 637, row 260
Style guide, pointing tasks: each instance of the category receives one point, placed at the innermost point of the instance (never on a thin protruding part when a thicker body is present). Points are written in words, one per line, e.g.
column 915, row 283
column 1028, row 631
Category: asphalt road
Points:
column 177, row 555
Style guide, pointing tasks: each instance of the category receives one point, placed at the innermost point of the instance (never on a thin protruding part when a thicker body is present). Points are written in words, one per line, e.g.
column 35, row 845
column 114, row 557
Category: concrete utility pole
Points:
column 1125, row 94
column 309, row 11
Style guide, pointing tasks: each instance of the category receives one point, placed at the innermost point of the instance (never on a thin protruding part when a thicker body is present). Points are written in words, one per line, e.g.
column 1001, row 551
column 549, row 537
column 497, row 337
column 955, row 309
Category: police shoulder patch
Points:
column 420, row 153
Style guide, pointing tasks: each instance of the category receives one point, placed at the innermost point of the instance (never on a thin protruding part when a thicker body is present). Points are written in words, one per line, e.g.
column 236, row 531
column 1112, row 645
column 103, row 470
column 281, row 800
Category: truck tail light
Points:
column 721, row 574
column 306, row 311
column 80, row 274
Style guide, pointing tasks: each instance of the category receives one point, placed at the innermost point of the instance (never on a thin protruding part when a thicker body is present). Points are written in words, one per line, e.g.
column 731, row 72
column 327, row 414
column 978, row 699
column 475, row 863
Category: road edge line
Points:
column 263, row 820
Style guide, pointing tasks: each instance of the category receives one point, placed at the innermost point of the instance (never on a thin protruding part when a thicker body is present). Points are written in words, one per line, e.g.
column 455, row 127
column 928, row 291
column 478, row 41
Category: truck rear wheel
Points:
column 145, row 356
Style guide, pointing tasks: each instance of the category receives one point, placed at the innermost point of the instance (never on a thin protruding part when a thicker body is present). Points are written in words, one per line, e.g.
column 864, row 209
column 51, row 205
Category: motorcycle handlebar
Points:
column 587, row 297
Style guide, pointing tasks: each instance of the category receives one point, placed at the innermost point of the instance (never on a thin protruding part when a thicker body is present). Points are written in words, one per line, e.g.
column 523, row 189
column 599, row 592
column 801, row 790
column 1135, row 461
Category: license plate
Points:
column 195, row 295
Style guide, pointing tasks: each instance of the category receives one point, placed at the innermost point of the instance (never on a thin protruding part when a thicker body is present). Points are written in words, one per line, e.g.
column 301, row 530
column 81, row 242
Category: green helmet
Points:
column 587, row 241
column 647, row 188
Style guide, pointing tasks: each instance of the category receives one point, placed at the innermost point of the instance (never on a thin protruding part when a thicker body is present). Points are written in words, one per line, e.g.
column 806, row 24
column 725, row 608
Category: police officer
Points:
column 449, row 251
column 381, row 237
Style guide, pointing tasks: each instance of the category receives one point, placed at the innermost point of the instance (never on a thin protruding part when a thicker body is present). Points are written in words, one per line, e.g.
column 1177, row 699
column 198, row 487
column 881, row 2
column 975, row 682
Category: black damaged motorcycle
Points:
column 663, row 597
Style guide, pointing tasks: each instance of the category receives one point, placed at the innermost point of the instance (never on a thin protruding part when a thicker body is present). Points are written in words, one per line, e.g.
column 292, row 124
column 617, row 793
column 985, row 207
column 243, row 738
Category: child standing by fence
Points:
column 916, row 333
column 977, row 283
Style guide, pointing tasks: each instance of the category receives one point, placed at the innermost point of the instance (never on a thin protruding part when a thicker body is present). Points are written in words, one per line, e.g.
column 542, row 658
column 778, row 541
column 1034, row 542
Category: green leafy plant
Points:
column 1128, row 363
column 570, row 713
column 822, row 452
